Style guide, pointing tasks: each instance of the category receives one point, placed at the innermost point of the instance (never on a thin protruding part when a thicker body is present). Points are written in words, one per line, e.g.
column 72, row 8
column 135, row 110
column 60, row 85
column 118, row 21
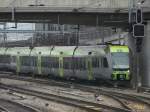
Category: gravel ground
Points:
column 50, row 106
column 67, row 92
column 40, row 104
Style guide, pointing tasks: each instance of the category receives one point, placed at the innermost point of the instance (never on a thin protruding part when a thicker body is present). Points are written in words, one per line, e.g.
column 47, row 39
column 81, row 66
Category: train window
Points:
column 81, row 61
column 46, row 61
column 25, row 60
column 75, row 63
column 83, row 65
column 28, row 60
column 5, row 58
column 98, row 62
column 13, row 59
column 50, row 62
column 95, row 62
column 105, row 62
column 72, row 64
column 78, row 63
column 67, row 62
column 55, row 62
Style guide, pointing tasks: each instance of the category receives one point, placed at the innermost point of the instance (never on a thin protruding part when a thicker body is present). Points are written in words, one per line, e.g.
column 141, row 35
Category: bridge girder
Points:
column 111, row 17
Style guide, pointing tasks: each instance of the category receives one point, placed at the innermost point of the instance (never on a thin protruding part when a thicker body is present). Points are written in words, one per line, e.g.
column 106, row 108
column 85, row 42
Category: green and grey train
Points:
column 81, row 62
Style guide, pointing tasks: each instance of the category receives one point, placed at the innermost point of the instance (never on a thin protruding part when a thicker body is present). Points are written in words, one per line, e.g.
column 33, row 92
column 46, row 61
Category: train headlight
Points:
column 128, row 71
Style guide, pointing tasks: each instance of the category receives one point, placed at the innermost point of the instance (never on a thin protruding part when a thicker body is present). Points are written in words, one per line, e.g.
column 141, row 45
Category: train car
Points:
column 62, row 65
column 89, row 63
column 29, row 61
column 118, row 57
column 79, row 62
column 17, row 60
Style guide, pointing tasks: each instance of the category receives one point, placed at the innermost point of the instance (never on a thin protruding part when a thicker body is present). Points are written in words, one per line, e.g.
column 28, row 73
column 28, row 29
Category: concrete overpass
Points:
column 87, row 12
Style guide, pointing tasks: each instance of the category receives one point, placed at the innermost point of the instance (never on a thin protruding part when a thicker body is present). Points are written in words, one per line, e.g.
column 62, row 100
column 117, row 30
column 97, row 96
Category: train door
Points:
column 89, row 66
column 39, row 63
column 33, row 57
column 61, row 68
column 105, row 67
column 73, row 67
column 18, row 64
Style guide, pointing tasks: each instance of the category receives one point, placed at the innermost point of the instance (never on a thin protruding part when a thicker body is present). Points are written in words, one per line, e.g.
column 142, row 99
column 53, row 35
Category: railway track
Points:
column 130, row 102
column 10, row 106
column 75, row 85
column 2, row 109
column 120, row 97
column 89, row 106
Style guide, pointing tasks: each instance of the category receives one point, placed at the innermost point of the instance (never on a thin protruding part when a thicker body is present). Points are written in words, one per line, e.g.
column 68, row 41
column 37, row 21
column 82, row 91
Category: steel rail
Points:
column 89, row 106
column 59, row 83
column 8, row 105
column 68, row 84
column 3, row 109
column 113, row 94
column 45, row 82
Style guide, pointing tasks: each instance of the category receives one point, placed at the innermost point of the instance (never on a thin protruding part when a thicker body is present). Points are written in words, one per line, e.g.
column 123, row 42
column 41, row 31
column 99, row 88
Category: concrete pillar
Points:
column 145, row 58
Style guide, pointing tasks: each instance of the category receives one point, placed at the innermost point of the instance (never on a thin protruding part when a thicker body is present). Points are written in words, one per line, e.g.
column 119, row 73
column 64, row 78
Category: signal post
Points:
column 137, row 29
column 138, row 34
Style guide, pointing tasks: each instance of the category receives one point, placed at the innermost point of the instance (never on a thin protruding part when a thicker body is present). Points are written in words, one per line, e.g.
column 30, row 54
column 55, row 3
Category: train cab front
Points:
column 120, row 63
column 121, row 74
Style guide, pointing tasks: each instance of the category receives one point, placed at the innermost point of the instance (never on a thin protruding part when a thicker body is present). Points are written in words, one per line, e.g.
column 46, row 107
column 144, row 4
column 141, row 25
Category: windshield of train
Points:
column 120, row 60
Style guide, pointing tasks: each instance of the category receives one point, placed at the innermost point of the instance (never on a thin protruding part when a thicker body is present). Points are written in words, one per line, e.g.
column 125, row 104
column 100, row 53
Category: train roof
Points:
column 93, row 50
column 57, row 50
column 18, row 50
column 44, row 51
column 65, row 50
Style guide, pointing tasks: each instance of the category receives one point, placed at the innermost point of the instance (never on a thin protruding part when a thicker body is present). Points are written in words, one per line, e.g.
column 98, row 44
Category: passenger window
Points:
column 46, row 61
column 5, row 58
column 95, row 62
column 105, row 62
column 28, row 60
column 66, row 63
column 100, row 64
column 83, row 65
column 13, row 59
